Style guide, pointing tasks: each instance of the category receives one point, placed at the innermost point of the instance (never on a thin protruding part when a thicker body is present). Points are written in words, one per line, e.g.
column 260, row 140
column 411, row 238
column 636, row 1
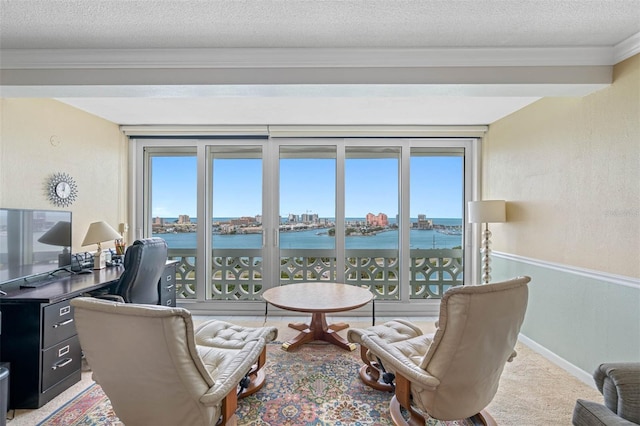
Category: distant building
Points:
column 309, row 218
column 380, row 219
column 158, row 221
column 243, row 221
column 423, row 222
column 184, row 219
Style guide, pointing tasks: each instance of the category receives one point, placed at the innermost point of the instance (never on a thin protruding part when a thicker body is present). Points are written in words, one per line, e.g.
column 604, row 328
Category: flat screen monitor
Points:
column 33, row 242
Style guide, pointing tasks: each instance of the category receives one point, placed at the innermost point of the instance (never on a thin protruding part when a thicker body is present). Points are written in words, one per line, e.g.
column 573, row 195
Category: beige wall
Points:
column 570, row 171
column 92, row 150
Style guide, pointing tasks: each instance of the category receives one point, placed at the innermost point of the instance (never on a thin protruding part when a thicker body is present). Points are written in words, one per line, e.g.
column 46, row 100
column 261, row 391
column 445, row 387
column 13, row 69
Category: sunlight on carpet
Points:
column 317, row 384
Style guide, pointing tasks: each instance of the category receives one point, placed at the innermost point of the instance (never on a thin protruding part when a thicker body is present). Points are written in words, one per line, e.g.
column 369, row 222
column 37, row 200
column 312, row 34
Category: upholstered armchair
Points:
column 454, row 373
column 156, row 369
column 619, row 384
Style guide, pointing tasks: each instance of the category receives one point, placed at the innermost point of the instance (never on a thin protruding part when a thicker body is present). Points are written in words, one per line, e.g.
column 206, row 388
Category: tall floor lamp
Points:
column 487, row 211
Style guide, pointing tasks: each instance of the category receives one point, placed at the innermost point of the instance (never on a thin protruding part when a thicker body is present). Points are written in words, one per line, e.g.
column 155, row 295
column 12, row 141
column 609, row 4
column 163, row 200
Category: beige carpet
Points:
column 533, row 391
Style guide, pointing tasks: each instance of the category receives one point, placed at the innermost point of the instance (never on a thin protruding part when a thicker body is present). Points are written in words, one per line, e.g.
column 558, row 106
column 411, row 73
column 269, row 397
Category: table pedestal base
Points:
column 318, row 330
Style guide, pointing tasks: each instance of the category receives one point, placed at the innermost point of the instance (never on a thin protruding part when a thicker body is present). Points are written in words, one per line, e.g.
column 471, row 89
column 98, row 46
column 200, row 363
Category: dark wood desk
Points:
column 39, row 337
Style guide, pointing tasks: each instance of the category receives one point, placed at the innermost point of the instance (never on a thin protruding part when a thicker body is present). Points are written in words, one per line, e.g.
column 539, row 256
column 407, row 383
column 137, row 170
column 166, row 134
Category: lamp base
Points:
column 99, row 260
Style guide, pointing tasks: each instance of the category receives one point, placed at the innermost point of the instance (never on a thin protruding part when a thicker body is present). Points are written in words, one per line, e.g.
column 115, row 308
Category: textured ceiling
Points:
column 28, row 24
column 394, row 24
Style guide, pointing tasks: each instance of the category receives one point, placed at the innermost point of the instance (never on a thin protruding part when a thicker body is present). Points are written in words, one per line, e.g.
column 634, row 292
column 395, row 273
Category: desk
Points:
column 318, row 298
column 39, row 336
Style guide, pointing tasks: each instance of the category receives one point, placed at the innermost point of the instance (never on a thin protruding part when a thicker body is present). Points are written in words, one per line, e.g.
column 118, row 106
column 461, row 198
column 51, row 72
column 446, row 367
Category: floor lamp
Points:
column 487, row 211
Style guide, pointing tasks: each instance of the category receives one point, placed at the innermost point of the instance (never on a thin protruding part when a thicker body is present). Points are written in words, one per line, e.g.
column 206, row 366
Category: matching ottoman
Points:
column 219, row 342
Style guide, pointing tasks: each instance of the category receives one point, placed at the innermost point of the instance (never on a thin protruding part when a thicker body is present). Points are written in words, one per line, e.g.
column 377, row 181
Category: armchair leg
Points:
column 402, row 399
column 256, row 375
column 370, row 373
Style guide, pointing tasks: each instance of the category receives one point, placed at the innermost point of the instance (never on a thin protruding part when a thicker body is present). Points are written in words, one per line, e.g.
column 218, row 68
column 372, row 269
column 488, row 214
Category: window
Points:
column 386, row 213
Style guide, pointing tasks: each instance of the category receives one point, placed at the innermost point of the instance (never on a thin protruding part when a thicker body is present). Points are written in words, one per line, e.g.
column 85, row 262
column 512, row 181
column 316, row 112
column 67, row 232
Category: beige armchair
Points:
column 156, row 369
column 453, row 374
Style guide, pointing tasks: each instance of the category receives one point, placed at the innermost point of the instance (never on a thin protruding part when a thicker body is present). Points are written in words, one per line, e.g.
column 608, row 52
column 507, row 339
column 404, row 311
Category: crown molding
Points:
column 627, row 48
column 303, row 58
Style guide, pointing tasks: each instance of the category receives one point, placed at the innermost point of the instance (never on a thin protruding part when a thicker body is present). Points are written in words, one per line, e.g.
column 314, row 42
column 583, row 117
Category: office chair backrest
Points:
column 477, row 331
column 144, row 262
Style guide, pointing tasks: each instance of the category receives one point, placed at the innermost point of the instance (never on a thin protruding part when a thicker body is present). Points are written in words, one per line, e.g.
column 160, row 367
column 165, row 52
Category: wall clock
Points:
column 62, row 189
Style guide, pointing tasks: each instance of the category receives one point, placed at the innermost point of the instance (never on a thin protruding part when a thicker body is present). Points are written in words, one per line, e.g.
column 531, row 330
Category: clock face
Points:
column 62, row 189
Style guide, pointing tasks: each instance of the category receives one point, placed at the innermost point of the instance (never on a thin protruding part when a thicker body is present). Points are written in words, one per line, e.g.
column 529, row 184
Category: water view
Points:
column 446, row 236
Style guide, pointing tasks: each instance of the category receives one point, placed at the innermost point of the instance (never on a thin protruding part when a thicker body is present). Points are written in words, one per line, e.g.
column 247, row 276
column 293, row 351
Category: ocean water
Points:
column 317, row 239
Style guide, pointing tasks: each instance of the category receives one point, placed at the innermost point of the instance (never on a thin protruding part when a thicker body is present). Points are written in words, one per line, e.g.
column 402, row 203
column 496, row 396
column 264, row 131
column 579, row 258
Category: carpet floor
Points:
column 317, row 384
column 533, row 391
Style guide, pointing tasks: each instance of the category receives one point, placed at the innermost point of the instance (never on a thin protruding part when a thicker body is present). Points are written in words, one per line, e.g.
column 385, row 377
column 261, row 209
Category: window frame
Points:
column 139, row 195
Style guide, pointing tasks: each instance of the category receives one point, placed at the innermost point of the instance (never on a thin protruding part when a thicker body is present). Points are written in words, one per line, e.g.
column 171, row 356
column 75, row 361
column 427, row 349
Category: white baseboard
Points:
column 576, row 372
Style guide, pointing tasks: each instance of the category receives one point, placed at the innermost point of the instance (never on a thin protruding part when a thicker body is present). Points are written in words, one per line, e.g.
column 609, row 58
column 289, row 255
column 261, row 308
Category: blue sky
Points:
column 308, row 185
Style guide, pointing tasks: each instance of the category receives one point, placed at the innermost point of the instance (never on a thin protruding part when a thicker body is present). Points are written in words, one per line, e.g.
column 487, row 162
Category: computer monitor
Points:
column 33, row 242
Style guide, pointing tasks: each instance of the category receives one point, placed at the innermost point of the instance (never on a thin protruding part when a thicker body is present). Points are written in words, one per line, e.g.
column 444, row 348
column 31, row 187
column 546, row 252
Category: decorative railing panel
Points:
column 307, row 265
column 237, row 273
column 376, row 269
column 185, row 272
column 433, row 271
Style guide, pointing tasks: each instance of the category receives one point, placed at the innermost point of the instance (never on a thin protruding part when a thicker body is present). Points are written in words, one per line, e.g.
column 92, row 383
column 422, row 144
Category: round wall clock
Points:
column 62, row 189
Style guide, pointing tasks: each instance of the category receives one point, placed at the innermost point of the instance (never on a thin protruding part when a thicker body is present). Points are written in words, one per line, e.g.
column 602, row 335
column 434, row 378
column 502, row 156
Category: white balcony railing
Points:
column 237, row 273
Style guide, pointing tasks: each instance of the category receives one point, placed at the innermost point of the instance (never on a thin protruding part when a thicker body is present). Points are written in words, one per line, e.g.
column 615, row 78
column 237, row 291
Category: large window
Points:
column 371, row 219
column 244, row 215
column 306, row 228
column 437, row 208
column 171, row 209
column 236, row 228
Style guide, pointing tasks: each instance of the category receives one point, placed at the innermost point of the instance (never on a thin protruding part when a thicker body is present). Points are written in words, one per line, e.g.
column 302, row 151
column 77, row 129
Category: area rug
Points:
column 315, row 385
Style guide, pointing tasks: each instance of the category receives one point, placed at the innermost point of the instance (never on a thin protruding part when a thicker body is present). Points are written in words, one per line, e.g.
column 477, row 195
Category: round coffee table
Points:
column 318, row 298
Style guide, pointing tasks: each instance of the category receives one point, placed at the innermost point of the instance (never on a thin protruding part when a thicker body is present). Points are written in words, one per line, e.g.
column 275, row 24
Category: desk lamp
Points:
column 487, row 211
column 98, row 233
column 59, row 235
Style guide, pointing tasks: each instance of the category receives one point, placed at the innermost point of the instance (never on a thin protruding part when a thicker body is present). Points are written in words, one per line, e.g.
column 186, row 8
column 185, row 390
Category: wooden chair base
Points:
column 370, row 376
column 482, row 418
column 256, row 376
column 370, row 373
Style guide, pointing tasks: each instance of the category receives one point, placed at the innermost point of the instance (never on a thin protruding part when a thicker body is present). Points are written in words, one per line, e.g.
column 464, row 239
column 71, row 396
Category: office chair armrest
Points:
column 112, row 297
column 230, row 374
column 396, row 361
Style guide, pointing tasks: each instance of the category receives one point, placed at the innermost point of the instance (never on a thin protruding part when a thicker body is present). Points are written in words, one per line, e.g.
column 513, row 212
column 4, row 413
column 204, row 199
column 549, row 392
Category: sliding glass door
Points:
column 241, row 216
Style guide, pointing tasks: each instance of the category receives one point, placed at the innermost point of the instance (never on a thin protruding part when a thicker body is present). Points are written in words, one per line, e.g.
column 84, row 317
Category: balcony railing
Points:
column 237, row 273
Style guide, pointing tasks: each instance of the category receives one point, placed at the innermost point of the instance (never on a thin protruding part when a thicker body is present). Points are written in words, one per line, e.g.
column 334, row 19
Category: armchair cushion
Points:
column 589, row 413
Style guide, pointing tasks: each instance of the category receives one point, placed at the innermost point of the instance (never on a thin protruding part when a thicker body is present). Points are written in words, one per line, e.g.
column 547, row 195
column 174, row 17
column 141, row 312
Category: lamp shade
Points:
column 99, row 232
column 58, row 235
column 487, row 211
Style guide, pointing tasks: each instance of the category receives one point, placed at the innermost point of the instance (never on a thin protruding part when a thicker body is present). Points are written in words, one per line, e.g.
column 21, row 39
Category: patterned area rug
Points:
column 317, row 384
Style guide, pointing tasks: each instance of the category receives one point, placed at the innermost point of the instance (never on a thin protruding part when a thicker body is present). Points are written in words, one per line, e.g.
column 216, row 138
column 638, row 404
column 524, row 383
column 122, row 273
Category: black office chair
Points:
column 144, row 262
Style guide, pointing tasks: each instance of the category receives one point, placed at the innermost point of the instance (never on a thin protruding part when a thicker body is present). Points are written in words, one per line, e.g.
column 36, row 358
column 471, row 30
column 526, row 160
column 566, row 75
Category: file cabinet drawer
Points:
column 58, row 323
column 60, row 361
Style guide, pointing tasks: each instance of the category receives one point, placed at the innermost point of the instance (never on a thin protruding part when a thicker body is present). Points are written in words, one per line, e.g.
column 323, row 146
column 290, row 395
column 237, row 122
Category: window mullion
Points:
column 340, row 213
